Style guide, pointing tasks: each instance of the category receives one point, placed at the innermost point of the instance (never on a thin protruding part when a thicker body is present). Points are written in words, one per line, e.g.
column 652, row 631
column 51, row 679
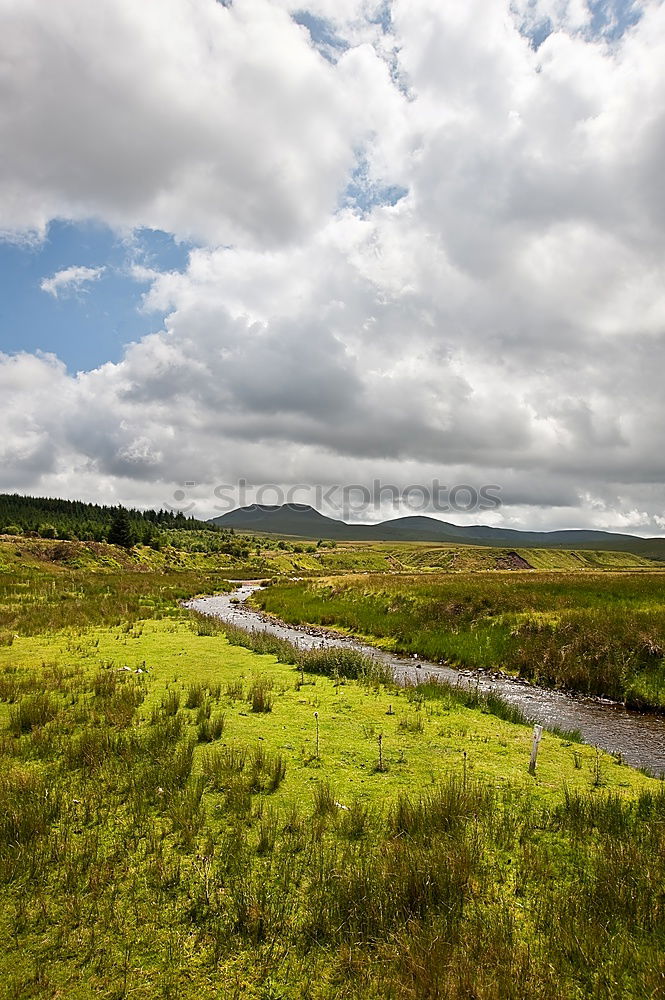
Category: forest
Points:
column 49, row 517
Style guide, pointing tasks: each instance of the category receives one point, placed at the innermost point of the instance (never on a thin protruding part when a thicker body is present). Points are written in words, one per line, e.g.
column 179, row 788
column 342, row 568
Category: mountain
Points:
column 290, row 519
column 303, row 521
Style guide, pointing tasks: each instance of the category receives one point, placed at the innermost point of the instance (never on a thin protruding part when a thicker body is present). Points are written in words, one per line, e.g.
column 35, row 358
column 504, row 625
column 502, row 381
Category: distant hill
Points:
column 303, row 521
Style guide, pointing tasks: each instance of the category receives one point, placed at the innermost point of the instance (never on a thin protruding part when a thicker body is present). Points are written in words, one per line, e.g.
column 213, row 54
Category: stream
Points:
column 638, row 737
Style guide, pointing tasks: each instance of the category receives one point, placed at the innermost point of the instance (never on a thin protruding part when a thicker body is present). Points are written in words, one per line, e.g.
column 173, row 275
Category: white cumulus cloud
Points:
column 70, row 279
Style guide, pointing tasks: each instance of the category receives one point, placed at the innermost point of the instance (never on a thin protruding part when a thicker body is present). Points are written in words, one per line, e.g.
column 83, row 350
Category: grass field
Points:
column 163, row 838
column 271, row 557
column 596, row 633
column 183, row 817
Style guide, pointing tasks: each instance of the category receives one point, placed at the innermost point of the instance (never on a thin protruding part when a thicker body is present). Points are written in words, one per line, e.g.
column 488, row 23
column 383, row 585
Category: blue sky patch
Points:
column 324, row 37
column 610, row 19
column 88, row 323
column 383, row 17
column 362, row 194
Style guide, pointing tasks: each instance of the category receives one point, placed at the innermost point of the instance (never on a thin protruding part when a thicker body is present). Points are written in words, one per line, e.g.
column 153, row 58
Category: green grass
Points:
column 138, row 858
column 256, row 556
column 601, row 633
column 33, row 601
column 181, row 662
column 170, row 825
column 428, row 557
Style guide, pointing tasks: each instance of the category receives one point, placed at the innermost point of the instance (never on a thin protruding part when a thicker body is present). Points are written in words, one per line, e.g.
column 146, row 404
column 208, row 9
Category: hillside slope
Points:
column 302, row 521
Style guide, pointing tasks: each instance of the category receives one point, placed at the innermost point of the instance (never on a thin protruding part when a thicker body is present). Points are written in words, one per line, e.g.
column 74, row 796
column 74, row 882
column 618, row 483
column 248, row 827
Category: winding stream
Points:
column 638, row 737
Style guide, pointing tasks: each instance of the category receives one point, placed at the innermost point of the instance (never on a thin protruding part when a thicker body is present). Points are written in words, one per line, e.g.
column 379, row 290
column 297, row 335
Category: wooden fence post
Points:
column 537, row 733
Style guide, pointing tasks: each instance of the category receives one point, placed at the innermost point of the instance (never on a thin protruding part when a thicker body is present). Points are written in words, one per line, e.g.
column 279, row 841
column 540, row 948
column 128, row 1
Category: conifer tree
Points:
column 121, row 532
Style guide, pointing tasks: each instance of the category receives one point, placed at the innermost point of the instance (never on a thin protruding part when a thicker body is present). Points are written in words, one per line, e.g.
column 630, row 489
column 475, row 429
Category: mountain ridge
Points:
column 304, row 521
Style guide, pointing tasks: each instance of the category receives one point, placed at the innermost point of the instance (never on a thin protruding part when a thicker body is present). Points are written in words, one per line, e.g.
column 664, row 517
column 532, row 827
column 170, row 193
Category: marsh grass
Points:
column 235, row 690
column 127, row 837
column 222, row 765
column 195, row 696
column 211, row 729
column 50, row 598
column 29, row 806
column 329, row 662
column 268, row 831
column 412, row 724
column 169, row 705
column 356, row 820
column 137, row 861
column 260, row 694
column 601, row 634
column 32, row 711
column 325, row 801
column 448, row 694
column 335, row 662
column 441, row 810
column 276, row 772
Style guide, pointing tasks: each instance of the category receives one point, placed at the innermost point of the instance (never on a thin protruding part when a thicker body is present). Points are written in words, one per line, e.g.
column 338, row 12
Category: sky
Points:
column 336, row 242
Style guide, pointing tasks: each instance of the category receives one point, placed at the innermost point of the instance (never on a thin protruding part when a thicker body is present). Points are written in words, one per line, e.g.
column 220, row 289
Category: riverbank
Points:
column 595, row 634
column 637, row 738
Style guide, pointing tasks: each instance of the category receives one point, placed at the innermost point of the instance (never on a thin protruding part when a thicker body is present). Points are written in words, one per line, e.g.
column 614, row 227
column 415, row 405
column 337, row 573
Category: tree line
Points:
column 49, row 517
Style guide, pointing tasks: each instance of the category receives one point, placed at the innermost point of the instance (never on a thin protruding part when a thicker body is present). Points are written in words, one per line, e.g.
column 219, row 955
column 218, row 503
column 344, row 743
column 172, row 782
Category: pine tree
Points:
column 121, row 532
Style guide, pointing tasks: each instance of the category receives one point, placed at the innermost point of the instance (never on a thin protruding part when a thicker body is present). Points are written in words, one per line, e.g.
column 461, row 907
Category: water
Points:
column 638, row 737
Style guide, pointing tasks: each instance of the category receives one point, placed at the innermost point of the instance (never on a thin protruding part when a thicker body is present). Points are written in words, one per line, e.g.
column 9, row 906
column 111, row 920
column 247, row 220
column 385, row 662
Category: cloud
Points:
column 69, row 280
column 214, row 122
column 501, row 322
